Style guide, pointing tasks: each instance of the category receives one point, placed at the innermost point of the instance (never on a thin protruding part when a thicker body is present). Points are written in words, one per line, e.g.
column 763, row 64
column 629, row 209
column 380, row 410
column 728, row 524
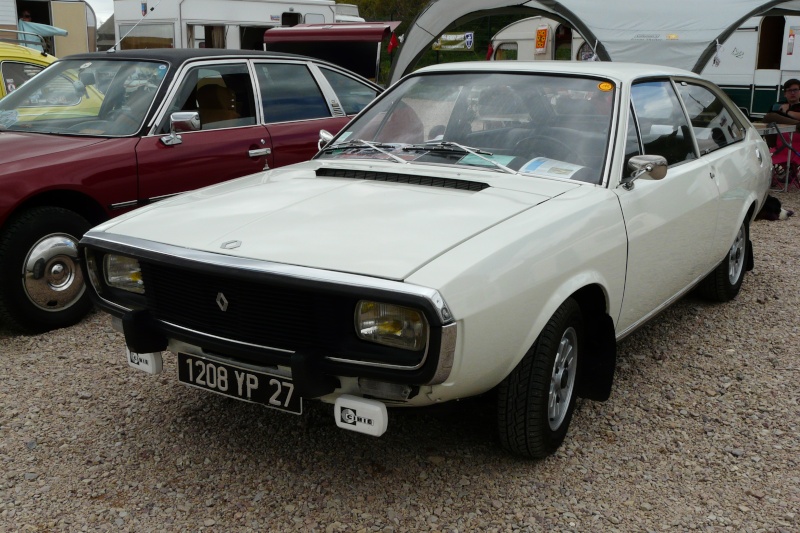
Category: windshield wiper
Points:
column 361, row 142
column 450, row 146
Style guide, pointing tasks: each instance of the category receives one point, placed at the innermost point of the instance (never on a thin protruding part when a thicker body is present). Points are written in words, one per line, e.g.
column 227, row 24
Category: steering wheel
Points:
column 550, row 147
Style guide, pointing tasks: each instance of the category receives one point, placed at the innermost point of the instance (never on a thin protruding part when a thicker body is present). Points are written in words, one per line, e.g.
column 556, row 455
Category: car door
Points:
column 298, row 102
column 671, row 223
column 231, row 142
column 719, row 137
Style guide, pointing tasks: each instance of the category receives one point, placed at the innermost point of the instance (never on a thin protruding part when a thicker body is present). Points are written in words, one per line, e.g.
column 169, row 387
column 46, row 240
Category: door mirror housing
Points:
column 181, row 122
column 654, row 166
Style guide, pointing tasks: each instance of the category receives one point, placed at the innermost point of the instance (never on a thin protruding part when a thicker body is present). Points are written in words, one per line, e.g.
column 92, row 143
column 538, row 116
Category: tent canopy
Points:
column 678, row 33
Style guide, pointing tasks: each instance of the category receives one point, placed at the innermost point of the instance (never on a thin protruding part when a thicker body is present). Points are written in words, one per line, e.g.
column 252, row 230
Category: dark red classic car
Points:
column 95, row 135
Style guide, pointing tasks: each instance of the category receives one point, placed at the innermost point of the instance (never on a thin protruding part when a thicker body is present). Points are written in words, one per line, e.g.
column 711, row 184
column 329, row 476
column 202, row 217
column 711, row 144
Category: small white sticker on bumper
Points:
column 146, row 362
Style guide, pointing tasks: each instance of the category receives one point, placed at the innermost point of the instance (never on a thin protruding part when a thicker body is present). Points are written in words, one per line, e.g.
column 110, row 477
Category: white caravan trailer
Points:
column 75, row 16
column 538, row 38
column 752, row 64
column 756, row 60
column 230, row 24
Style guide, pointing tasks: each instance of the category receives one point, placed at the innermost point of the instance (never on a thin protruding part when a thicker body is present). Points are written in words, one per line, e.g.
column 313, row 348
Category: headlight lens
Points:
column 391, row 325
column 123, row 273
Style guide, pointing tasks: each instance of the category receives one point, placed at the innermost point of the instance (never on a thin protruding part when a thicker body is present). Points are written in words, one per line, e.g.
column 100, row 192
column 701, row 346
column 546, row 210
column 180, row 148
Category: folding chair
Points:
column 786, row 161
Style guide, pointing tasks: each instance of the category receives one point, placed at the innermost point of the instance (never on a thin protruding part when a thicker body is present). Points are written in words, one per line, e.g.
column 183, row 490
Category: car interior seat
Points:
column 215, row 104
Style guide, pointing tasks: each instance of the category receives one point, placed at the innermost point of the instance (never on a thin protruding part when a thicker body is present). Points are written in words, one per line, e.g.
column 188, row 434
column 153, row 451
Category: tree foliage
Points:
column 405, row 10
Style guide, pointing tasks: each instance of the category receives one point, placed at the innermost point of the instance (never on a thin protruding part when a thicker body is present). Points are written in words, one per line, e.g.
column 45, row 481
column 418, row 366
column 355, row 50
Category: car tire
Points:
column 724, row 282
column 535, row 402
column 41, row 283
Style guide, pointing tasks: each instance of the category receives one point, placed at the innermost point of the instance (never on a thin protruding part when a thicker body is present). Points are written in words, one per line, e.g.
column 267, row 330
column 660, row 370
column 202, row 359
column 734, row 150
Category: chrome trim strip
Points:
column 447, row 354
column 385, row 365
column 233, row 341
column 164, row 196
column 123, row 205
column 135, row 246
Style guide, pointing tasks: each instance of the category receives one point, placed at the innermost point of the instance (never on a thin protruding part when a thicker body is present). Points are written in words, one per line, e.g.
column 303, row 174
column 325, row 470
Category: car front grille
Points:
column 259, row 312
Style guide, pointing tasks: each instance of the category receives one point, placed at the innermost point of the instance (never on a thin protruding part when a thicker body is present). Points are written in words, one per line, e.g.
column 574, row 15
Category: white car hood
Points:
column 373, row 228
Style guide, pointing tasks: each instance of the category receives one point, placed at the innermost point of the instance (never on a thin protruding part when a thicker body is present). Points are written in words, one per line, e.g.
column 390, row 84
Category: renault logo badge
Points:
column 230, row 245
column 222, row 302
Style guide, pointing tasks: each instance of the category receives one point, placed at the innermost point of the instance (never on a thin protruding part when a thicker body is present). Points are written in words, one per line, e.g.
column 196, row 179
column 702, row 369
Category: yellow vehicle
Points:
column 18, row 63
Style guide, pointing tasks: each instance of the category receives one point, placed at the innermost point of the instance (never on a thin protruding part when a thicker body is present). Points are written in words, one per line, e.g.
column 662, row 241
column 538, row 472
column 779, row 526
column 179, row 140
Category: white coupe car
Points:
column 481, row 227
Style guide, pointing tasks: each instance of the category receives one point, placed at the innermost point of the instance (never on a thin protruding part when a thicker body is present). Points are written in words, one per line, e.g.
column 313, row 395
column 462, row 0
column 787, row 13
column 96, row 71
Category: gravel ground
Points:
column 701, row 433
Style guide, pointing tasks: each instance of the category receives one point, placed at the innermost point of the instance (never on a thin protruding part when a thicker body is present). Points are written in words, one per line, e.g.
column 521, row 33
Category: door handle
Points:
column 258, row 152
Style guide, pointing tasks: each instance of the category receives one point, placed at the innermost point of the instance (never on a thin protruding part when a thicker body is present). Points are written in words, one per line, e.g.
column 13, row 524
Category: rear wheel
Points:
column 725, row 281
column 41, row 283
column 535, row 402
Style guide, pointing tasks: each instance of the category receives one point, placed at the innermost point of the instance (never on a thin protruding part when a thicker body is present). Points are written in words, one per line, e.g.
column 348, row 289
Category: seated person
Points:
column 790, row 108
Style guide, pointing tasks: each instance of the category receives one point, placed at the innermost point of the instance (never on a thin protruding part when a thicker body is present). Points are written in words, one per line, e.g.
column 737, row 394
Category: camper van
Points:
column 74, row 16
column 217, row 23
column 750, row 66
column 538, row 39
column 756, row 60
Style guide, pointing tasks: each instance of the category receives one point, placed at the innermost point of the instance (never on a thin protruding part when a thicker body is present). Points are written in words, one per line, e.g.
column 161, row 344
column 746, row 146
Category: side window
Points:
column 221, row 94
column 506, row 52
column 289, row 92
column 714, row 125
column 662, row 123
column 15, row 74
column 353, row 95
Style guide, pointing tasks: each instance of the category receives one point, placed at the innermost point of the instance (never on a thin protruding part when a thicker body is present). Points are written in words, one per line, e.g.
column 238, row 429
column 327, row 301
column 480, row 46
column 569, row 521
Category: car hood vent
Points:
column 393, row 177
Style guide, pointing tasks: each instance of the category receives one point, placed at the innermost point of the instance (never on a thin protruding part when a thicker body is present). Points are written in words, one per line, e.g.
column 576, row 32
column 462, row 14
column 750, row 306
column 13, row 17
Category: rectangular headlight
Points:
column 123, row 273
column 391, row 325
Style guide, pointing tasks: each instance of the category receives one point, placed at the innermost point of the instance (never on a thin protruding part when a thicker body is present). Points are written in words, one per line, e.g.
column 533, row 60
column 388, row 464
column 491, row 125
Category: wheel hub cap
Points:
column 736, row 257
column 562, row 380
column 51, row 274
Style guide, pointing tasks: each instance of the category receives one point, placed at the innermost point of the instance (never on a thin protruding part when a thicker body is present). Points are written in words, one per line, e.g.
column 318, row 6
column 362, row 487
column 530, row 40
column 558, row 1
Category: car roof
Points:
column 23, row 53
column 620, row 71
column 178, row 56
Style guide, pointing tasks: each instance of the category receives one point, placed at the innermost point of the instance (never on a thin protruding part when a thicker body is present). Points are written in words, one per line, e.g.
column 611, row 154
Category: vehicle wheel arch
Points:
column 596, row 373
column 76, row 201
column 747, row 217
column 750, row 217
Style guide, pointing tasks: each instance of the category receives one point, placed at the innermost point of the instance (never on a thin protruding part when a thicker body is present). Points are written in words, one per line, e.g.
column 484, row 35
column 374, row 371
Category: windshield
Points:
column 84, row 97
column 538, row 124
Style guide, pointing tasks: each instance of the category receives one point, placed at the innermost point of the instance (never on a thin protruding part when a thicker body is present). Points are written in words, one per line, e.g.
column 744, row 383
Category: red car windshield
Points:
column 80, row 97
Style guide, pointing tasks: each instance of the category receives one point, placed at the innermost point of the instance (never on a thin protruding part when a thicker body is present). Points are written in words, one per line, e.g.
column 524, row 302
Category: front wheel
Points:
column 41, row 283
column 724, row 282
column 535, row 402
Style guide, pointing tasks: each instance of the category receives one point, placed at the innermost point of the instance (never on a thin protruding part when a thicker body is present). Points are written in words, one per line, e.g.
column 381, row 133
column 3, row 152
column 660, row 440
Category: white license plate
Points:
column 243, row 384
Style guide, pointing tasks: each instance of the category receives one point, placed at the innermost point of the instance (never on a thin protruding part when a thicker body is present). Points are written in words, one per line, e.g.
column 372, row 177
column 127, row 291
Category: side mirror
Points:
column 180, row 122
column 80, row 89
column 324, row 138
column 655, row 166
column 87, row 78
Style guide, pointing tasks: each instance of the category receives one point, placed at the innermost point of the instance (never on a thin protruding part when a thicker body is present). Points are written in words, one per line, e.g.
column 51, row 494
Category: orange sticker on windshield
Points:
column 606, row 86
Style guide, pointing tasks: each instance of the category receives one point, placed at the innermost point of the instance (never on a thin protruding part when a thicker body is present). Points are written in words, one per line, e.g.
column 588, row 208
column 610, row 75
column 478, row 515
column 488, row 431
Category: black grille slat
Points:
column 393, row 177
column 259, row 313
